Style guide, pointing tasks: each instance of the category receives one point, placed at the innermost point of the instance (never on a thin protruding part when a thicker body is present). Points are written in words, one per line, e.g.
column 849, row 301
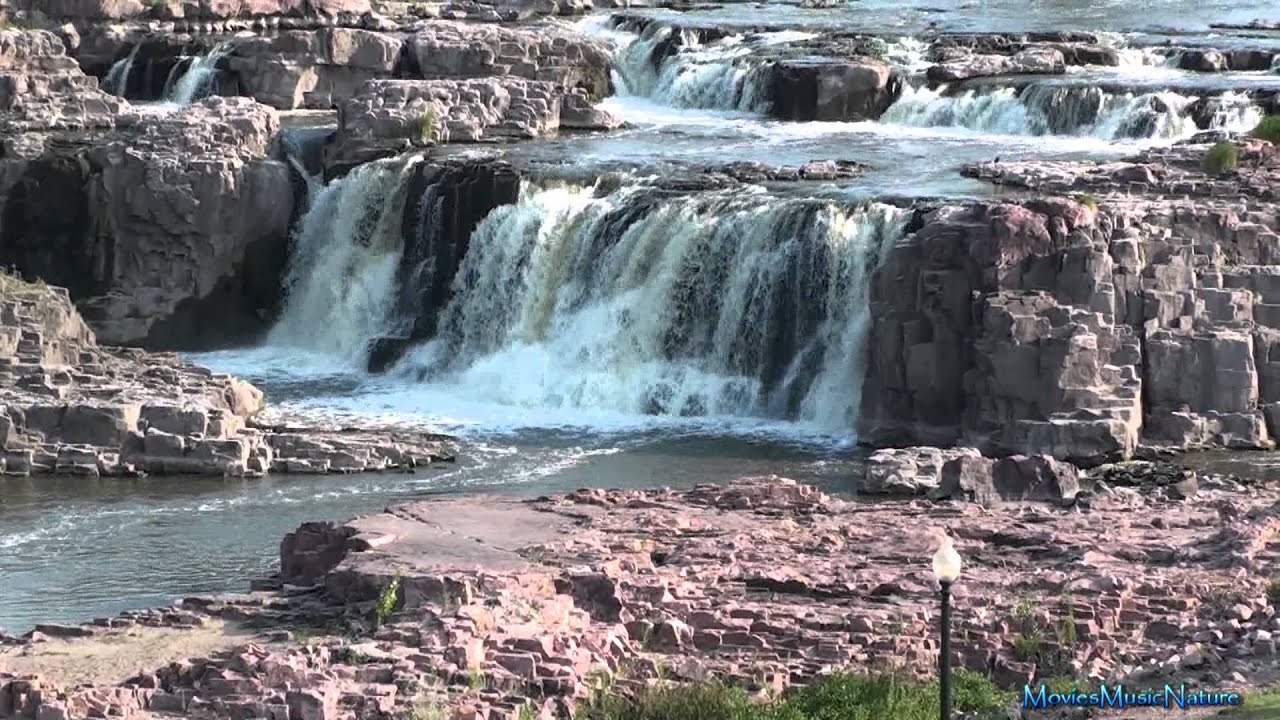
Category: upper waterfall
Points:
column 640, row 301
column 636, row 300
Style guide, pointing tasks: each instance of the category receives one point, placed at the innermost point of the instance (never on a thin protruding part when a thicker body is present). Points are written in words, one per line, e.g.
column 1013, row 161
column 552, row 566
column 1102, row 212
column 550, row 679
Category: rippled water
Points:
column 75, row 548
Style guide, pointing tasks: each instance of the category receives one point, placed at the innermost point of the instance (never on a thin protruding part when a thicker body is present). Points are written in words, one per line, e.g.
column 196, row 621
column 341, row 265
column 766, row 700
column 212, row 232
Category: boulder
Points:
column 823, row 89
column 1202, row 60
column 908, row 471
column 1015, row 478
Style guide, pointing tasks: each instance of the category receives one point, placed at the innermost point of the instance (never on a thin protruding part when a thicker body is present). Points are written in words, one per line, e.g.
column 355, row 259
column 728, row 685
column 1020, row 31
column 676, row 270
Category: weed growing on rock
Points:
column 475, row 678
column 1066, row 626
column 387, row 600
column 1268, row 129
column 1221, row 158
column 1028, row 644
column 427, row 127
column 427, row 710
column 1087, row 200
column 1273, row 589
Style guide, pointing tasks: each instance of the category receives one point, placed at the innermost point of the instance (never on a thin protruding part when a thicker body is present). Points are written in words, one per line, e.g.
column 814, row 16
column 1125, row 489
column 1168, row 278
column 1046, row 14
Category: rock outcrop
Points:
column 396, row 115
column 168, row 228
column 1054, row 326
column 70, row 406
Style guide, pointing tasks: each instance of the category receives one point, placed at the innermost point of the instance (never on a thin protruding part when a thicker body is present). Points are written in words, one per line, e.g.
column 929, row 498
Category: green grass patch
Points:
column 1221, row 158
column 839, row 697
column 387, row 601
column 1268, row 129
column 1263, row 705
column 1087, row 200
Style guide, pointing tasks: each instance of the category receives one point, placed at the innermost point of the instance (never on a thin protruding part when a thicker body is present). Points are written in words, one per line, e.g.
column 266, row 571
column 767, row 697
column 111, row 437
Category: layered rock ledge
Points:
column 502, row 604
column 70, row 406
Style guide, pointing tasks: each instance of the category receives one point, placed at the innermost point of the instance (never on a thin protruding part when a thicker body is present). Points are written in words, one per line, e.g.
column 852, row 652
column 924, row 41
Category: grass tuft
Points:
column 387, row 601
column 1087, row 200
column 1221, row 158
column 838, row 697
column 1268, row 129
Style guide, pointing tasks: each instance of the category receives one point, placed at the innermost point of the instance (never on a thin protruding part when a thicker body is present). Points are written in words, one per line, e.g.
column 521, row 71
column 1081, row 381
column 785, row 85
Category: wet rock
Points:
column 820, row 89
column 1031, row 61
column 1202, row 61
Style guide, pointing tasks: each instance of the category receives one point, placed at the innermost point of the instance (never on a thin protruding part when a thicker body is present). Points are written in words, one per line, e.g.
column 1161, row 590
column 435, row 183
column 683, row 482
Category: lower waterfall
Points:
column 638, row 300
column 339, row 290
column 198, row 79
column 117, row 80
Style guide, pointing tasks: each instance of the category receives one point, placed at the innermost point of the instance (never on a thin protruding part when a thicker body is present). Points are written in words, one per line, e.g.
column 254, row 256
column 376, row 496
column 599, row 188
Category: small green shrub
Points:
column 1027, row 645
column 1273, row 589
column 1268, row 129
column 387, row 600
column 1221, row 158
column 1065, row 630
column 1087, row 200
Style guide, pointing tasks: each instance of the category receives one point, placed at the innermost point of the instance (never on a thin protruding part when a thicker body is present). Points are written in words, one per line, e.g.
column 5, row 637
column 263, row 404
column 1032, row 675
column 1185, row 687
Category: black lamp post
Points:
column 944, row 658
column 946, row 568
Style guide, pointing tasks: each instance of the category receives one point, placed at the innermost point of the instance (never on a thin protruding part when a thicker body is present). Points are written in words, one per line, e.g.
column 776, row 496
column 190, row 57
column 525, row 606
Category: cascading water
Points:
column 717, row 76
column 342, row 271
column 642, row 301
column 117, row 80
column 1050, row 109
column 197, row 81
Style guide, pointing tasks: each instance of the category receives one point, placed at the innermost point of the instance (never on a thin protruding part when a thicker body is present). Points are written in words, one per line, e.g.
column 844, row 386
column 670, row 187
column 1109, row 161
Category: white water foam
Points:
column 196, row 82
column 117, row 80
column 342, row 272
column 1059, row 110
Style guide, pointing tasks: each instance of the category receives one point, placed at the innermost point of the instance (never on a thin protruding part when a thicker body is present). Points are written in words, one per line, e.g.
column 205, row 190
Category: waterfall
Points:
column 340, row 287
column 1053, row 109
column 673, row 67
column 117, row 80
column 644, row 301
column 197, row 81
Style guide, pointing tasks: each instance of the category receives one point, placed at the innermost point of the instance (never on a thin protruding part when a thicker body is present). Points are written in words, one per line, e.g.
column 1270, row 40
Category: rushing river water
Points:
column 619, row 339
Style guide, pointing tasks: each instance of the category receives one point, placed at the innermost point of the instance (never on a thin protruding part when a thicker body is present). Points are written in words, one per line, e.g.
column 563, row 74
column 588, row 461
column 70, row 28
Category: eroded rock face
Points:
column 312, row 69
column 458, row 50
column 1054, row 327
column 177, row 223
column 70, row 406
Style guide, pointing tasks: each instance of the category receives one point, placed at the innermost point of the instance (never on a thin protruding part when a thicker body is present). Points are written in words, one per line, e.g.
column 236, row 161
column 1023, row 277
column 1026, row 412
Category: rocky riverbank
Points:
column 497, row 604
column 71, row 406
